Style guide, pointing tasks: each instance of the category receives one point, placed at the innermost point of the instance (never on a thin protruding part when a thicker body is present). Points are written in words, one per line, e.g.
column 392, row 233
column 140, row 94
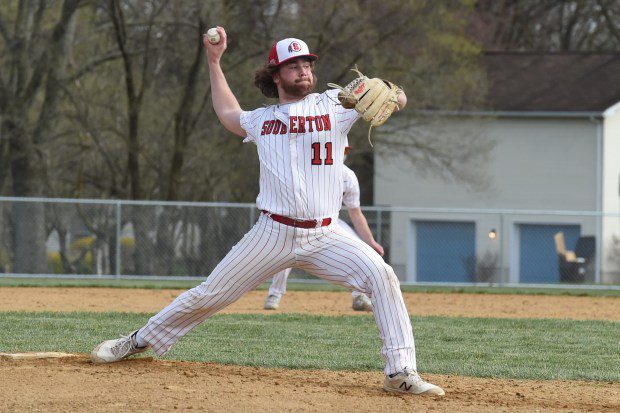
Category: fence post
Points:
column 118, row 239
column 502, row 237
column 597, row 248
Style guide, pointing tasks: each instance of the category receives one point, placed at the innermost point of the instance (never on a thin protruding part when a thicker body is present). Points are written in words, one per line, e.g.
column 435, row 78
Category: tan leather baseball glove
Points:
column 375, row 99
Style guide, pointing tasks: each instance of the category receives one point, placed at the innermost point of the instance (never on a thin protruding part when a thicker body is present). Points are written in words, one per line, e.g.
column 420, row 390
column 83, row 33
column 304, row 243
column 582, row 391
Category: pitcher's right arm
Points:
column 225, row 103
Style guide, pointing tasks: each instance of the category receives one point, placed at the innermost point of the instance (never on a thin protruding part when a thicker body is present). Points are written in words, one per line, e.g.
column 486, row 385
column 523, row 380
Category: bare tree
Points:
column 551, row 25
column 30, row 89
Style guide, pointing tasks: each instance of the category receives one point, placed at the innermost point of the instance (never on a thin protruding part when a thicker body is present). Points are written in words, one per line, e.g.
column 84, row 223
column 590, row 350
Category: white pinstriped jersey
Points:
column 351, row 190
column 301, row 152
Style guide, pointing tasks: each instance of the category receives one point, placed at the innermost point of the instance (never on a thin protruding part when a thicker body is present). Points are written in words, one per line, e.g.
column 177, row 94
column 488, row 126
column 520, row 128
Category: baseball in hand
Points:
column 213, row 36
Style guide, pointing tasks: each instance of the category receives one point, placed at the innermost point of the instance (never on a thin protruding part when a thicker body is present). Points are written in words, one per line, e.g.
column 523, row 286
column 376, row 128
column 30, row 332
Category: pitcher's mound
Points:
column 35, row 355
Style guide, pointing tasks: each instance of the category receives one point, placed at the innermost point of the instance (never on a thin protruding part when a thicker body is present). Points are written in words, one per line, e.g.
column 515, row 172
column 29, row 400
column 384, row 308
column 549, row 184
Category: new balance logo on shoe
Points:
column 407, row 388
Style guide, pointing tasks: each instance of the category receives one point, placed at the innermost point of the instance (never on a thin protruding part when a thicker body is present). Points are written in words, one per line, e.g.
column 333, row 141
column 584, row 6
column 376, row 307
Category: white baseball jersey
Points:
column 301, row 151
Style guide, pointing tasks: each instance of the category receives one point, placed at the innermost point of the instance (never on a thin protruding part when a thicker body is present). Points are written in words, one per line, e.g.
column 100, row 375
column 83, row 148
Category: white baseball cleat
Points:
column 272, row 302
column 362, row 303
column 410, row 382
column 115, row 350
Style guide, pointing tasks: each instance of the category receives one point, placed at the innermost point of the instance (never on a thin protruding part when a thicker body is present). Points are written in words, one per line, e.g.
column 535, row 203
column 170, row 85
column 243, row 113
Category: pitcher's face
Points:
column 296, row 77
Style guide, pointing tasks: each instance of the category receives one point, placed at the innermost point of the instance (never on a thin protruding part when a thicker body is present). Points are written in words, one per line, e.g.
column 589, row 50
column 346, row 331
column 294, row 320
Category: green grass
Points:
column 93, row 282
column 482, row 347
column 294, row 286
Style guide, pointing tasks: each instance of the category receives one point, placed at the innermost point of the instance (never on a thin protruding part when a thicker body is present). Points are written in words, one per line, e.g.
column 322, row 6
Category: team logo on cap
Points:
column 294, row 47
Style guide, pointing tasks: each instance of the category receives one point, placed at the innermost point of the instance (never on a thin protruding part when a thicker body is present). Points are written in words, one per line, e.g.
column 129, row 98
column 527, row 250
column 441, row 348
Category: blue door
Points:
column 445, row 251
column 538, row 261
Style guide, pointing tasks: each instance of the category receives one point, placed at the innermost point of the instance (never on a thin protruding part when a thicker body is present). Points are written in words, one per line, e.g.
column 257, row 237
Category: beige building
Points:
column 554, row 120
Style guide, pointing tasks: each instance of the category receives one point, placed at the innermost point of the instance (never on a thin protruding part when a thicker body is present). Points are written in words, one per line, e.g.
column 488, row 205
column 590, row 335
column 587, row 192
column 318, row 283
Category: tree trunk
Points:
column 29, row 250
column 144, row 251
column 30, row 253
column 30, row 75
column 164, row 248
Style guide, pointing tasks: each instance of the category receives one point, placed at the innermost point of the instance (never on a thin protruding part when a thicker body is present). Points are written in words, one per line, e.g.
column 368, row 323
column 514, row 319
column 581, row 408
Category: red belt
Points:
column 298, row 223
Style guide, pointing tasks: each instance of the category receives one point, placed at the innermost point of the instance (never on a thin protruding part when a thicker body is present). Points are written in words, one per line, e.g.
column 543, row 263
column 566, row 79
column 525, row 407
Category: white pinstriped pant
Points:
column 328, row 252
column 278, row 284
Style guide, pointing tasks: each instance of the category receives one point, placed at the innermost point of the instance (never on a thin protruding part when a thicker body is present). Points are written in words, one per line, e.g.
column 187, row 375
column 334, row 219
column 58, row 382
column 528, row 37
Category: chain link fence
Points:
column 96, row 238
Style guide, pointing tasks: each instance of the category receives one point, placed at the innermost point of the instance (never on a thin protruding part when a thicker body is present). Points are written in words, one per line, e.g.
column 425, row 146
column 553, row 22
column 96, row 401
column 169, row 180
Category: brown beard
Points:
column 299, row 89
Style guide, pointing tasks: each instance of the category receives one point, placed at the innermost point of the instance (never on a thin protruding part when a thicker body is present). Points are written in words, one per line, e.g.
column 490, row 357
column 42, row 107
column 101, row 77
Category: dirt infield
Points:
column 74, row 384
column 326, row 303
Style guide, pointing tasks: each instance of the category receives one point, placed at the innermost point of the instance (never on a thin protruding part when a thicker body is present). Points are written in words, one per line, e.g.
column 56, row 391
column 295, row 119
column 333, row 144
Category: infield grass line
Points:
column 479, row 347
column 292, row 285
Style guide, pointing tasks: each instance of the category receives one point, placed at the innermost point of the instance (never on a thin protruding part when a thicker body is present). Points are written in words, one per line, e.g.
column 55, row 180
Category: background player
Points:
column 350, row 199
column 300, row 143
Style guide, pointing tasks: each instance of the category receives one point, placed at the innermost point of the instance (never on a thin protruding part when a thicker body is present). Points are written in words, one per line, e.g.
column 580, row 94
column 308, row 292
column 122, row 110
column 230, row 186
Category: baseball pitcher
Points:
column 300, row 143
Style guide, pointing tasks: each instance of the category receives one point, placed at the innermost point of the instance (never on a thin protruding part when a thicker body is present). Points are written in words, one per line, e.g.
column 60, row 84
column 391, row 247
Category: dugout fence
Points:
column 80, row 238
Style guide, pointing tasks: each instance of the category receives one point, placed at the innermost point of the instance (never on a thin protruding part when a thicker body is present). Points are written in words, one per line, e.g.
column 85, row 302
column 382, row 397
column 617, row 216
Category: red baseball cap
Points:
column 288, row 49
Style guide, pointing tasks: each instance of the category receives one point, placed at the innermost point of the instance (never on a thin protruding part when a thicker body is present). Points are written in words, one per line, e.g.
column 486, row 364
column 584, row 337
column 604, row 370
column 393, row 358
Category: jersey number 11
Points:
column 316, row 154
